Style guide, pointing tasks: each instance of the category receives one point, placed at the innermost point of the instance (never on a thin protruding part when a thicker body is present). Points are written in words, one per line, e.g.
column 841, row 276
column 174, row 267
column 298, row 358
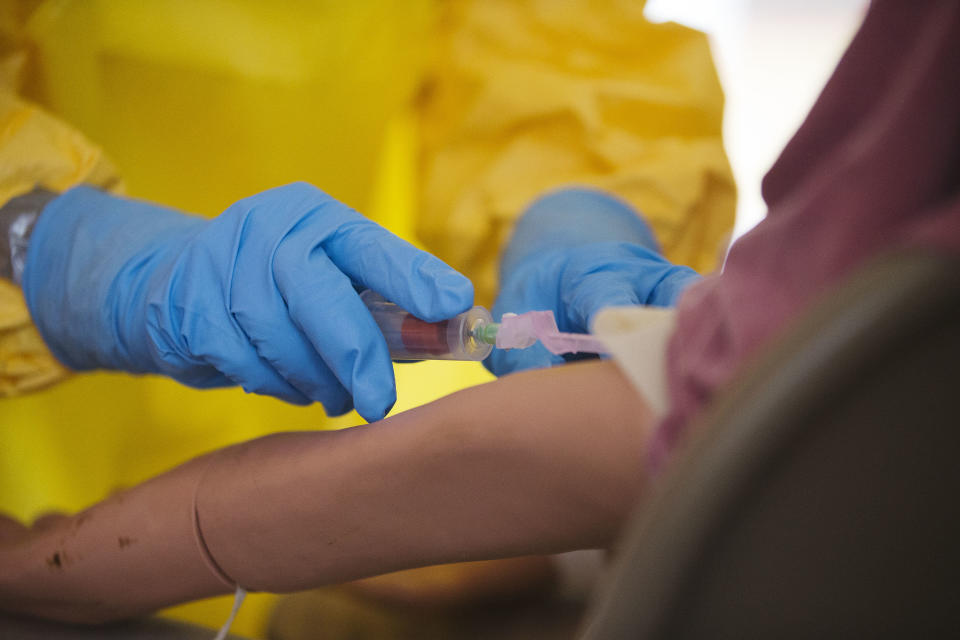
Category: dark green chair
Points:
column 819, row 496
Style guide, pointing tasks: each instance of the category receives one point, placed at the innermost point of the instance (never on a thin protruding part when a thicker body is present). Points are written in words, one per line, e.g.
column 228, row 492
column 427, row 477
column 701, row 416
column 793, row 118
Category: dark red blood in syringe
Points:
column 426, row 338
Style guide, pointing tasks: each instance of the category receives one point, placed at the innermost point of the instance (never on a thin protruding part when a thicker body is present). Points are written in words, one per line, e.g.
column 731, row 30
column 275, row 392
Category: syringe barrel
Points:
column 410, row 338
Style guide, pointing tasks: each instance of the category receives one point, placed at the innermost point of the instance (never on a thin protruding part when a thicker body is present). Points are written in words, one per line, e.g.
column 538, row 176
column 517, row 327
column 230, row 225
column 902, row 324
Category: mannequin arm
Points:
column 538, row 462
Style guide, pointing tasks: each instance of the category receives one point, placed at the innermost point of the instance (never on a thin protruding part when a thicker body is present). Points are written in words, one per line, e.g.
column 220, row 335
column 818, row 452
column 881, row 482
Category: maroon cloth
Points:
column 874, row 167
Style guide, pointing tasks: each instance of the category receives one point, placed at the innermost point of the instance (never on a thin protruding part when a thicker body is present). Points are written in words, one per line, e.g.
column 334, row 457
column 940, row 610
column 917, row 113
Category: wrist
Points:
column 17, row 220
column 85, row 242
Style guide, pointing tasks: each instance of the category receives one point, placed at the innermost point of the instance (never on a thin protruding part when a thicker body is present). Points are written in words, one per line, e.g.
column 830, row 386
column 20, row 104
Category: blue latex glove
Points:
column 263, row 296
column 576, row 251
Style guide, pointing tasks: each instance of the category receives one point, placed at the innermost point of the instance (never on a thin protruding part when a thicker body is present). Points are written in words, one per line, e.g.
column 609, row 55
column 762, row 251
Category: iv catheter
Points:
column 471, row 335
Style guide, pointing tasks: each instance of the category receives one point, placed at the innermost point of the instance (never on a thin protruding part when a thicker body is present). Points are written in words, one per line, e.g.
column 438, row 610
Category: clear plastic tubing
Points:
column 467, row 336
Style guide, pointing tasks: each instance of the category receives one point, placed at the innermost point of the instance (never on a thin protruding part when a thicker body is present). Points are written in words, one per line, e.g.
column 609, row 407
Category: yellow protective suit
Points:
column 439, row 120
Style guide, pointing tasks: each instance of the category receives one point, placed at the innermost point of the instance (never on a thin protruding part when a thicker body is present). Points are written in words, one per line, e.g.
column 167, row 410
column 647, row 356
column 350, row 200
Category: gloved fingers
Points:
column 586, row 293
column 202, row 376
column 280, row 342
column 246, row 369
column 324, row 306
column 262, row 314
column 500, row 362
column 376, row 259
column 610, row 274
column 206, row 348
column 672, row 285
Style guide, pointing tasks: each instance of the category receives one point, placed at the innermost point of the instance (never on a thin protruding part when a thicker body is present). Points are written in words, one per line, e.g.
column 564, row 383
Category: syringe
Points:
column 466, row 336
column 471, row 335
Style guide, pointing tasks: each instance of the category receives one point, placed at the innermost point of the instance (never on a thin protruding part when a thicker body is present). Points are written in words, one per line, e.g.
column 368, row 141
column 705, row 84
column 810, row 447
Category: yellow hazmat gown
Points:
column 441, row 121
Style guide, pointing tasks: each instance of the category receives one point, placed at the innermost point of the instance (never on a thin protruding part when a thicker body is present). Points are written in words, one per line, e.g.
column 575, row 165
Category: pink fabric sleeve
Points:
column 875, row 167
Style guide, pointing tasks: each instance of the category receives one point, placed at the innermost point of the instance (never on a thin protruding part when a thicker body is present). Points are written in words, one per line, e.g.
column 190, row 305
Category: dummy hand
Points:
column 263, row 296
column 574, row 252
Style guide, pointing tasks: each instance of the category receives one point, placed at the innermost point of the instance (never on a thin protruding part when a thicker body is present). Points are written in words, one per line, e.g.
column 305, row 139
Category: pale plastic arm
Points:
column 538, row 462
column 134, row 552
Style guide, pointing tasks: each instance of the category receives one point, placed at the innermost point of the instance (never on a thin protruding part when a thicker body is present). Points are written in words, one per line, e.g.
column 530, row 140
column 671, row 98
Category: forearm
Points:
column 533, row 463
column 130, row 554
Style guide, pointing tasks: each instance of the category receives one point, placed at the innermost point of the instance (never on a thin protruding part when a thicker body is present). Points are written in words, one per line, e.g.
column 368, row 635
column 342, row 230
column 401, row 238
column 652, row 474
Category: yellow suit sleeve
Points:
column 35, row 150
column 526, row 96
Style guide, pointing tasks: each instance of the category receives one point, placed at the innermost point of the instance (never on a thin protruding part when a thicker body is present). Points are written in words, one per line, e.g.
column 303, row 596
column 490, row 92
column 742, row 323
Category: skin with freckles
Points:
column 533, row 463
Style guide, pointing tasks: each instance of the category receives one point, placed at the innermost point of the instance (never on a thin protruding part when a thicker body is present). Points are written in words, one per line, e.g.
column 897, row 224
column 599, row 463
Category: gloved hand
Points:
column 576, row 251
column 263, row 296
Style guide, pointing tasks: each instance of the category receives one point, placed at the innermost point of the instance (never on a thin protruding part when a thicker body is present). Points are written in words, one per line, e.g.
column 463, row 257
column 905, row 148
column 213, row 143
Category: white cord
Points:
column 237, row 601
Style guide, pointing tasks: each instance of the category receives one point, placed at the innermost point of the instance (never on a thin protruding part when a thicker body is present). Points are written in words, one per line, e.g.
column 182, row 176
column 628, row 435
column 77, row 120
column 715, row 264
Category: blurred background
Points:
column 200, row 103
column 773, row 57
